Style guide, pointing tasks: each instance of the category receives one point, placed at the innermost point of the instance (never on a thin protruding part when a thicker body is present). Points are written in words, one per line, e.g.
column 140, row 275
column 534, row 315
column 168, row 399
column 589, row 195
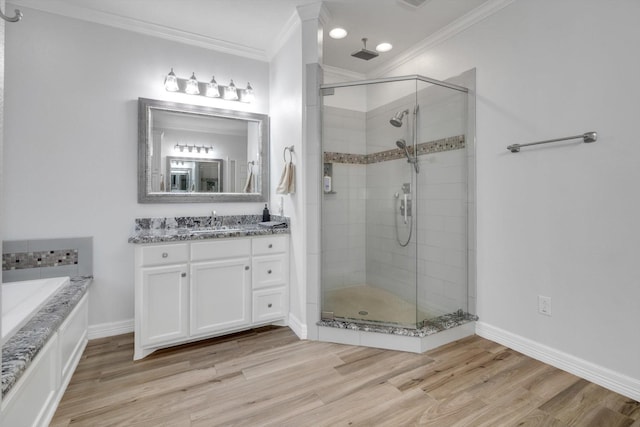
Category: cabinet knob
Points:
column 165, row 255
column 269, row 271
column 269, row 305
column 184, row 275
column 246, row 267
column 270, row 245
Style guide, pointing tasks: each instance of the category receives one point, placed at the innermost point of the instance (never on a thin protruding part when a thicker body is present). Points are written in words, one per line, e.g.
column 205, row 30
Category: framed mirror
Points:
column 195, row 154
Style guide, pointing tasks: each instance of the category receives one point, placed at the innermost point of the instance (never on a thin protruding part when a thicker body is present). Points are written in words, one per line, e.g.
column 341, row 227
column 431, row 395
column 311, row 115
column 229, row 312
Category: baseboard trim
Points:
column 299, row 328
column 104, row 330
column 597, row 374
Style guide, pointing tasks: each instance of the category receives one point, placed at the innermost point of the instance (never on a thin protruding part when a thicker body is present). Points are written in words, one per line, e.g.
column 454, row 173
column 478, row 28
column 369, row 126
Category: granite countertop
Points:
column 173, row 229
column 173, row 235
column 24, row 346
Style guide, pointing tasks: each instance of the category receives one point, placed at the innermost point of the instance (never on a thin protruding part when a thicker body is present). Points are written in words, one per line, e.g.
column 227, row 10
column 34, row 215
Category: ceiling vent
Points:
column 413, row 4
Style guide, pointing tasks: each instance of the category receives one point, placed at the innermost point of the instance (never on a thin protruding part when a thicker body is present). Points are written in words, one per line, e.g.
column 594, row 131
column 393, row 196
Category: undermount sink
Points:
column 222, row 229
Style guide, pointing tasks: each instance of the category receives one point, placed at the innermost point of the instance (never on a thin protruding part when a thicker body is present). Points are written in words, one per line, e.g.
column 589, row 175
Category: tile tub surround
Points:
column 22, row 260
column 172, row 229
column 24, row 346
column 430, row 327
column 43, row 258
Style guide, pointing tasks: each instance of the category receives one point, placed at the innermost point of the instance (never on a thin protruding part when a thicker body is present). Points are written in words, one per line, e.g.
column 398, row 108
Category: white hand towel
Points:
column 287, row 183
column 248, row 186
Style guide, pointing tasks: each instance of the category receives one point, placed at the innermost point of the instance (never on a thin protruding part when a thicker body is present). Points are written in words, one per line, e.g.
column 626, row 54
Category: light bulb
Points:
column 192, row 85
column 212, row 88
column 171, row 82
column 230, row 92
column 248, row 95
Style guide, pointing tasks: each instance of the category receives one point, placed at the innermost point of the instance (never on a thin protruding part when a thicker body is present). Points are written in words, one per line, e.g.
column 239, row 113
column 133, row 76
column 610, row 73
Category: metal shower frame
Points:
column 326, row 89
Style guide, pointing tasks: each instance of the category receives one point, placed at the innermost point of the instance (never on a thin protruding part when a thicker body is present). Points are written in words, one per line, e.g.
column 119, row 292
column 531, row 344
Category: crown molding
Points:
column 293, row 23
column 143, row 27
column 313, row 11
column 456, row 27
column 348, row 75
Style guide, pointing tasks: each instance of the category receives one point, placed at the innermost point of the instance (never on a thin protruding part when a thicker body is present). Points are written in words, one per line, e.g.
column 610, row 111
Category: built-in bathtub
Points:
column 21, row 300
column 43, row 344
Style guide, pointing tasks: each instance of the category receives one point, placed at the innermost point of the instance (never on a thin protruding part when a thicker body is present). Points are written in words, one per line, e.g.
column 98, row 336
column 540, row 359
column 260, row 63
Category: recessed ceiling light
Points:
column 338, row 33
column 384, row 47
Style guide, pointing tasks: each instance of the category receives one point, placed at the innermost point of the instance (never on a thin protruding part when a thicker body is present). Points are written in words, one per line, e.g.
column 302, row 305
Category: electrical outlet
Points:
column 544, row 305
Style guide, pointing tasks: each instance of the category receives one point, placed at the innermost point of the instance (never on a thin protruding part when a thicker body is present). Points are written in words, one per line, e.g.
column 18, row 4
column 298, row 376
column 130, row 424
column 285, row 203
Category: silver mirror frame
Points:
column 145, row 107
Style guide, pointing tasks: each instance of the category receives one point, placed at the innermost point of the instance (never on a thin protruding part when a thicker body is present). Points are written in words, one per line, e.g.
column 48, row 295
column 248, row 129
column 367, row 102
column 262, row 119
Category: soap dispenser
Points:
column 265, row 214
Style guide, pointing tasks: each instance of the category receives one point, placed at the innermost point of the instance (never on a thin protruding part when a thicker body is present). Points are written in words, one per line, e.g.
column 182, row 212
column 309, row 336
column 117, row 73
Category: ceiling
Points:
column 253, row 28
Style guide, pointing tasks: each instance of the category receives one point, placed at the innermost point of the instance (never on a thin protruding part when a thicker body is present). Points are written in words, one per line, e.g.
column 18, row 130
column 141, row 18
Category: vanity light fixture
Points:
column 192, row 85
column 171, row 82
column 191, row 147
column 211, row 89
column 248, row 96
column 230, row 92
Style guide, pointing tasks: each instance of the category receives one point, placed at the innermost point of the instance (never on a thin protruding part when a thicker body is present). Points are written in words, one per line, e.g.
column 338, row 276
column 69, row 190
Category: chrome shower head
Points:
column 396, row 120
column 402, row 144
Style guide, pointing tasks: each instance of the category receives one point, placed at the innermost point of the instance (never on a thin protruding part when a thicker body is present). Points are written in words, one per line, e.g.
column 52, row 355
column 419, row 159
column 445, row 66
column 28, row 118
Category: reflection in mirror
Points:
column 190, row 153
column 186, row 174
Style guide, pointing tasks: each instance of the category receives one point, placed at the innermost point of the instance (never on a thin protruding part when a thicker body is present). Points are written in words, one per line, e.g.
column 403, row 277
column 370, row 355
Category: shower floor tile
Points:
column 372, row 304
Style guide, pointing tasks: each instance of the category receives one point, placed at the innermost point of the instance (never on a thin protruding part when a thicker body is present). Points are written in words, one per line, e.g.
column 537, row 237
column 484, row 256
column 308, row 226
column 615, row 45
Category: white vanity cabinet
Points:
column 270, row 278
column 162, row 294
column 202, row 288
column 220, row 285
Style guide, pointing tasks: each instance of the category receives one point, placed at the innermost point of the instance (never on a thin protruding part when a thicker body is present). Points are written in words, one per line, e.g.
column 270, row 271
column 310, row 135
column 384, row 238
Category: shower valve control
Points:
column 405, row 201
column 405, row 206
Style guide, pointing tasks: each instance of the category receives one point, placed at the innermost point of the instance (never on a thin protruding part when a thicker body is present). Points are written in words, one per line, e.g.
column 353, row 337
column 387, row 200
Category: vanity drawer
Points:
column 219, row 249
column 270, row 245
column 269, row 304
column 269, row 271
column 165, row 254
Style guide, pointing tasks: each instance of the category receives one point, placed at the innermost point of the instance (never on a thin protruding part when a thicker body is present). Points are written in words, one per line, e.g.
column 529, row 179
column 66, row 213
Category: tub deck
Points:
column 22, row 300
column 20, row 350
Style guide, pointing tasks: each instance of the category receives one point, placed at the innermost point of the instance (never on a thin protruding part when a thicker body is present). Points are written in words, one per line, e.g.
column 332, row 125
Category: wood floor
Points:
column 269, row 377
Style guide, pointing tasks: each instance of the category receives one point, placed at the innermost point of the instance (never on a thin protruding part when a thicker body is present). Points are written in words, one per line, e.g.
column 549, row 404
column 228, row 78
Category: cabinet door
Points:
column 165, row 304
column 220, row 295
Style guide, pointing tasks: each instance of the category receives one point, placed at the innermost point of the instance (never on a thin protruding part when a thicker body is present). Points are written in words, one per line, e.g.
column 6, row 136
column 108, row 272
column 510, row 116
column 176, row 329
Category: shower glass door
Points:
column 395, row 203
column 370, row 235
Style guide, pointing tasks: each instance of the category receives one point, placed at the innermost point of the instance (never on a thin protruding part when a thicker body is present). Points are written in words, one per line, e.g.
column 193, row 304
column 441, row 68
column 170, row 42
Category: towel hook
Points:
column 284, row 154
column 14, row 19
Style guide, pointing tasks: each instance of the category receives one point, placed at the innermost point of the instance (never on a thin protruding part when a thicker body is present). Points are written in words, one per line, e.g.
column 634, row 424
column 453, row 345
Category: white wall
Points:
column 286, row 130
column 556, row 220
column 70, row 161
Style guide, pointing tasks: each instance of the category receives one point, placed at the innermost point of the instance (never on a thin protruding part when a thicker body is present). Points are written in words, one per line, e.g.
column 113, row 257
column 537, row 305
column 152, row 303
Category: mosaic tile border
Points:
column 42, row 258
column 437, row 146
column 430, row 327
column 171, row 223
column 22, row 260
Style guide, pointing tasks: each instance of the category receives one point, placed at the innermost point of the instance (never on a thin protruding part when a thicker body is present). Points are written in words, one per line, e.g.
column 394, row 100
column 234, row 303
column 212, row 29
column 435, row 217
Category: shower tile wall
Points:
column 344, row 216
column 441, row 207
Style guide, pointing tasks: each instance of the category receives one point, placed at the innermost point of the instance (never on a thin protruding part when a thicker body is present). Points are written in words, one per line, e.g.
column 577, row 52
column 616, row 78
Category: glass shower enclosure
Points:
column 395, row 201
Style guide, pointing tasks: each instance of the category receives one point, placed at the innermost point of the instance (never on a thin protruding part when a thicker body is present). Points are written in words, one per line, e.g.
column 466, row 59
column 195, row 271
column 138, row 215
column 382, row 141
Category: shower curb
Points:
column 431, row 326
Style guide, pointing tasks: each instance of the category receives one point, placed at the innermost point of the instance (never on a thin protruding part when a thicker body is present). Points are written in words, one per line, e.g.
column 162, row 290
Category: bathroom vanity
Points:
column 195, row 285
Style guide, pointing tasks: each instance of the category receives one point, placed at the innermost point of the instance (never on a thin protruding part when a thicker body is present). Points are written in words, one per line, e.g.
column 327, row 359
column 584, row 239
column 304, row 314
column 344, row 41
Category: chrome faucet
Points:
column 214, row 221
